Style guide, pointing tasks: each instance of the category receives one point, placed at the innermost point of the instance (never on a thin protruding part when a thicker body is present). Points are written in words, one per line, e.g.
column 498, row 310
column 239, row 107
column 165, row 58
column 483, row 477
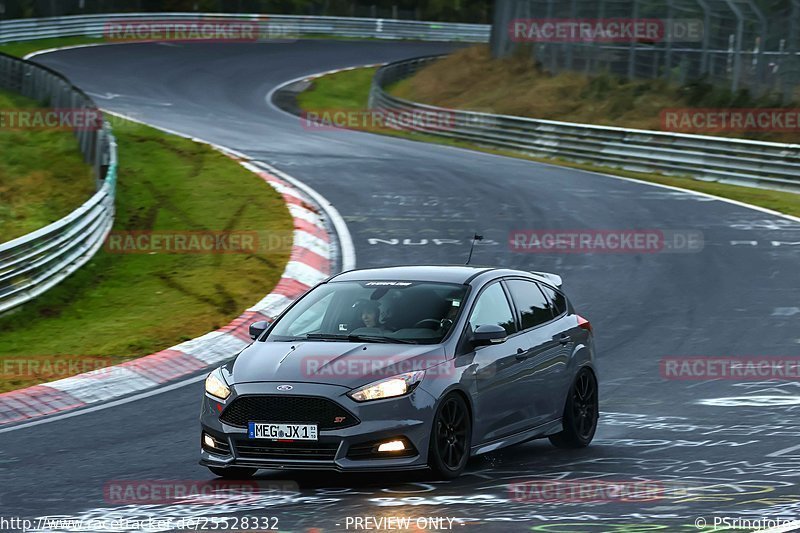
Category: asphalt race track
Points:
column 719, row 448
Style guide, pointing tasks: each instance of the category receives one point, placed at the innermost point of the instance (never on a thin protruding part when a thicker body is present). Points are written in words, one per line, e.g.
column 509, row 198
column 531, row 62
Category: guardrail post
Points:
column 668, row 44
column 789, row 67
column 632, row 46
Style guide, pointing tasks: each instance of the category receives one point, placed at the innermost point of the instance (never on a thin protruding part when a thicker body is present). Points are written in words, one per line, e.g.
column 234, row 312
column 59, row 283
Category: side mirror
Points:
column 489, row 334
column 257, row 328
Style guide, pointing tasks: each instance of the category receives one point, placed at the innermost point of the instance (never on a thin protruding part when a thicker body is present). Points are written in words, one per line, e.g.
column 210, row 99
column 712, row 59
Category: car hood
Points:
column 350, row 364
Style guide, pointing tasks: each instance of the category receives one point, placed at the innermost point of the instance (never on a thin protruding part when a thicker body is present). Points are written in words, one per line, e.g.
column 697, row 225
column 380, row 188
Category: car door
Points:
column 498, row 399
column 564, row 328
column 545, row 358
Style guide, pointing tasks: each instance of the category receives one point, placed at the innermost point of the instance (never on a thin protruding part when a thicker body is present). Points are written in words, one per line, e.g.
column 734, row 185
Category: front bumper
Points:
column 408, row 417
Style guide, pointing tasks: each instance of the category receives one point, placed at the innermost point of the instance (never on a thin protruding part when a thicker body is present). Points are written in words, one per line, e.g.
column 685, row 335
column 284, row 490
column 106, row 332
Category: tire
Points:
column 581, row 413
column 233, row 472
column 451, row 436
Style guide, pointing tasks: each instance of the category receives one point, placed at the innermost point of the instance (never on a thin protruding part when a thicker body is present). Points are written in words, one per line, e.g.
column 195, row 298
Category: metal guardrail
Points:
column 33, row 263
column 270, row 26
column 741, row 161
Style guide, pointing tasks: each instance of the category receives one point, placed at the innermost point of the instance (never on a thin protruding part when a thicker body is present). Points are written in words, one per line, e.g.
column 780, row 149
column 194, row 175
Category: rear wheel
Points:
column 450, row 438
column 233, row 472
column 580, row 413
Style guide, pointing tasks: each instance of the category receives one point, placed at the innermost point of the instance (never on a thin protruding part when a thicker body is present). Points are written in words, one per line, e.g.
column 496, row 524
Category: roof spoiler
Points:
column 554, row 279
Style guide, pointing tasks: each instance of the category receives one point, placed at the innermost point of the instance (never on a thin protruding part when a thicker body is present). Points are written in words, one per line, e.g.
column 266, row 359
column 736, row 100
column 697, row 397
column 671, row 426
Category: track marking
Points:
column 346, row 247
column 789, row 526
column 108, row 405
column 28, row 57
column 780, row 453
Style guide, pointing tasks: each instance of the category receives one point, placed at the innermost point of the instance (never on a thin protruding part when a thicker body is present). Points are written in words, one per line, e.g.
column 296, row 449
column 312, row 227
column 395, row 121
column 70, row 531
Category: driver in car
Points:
column 369, row 311
column 370, row 314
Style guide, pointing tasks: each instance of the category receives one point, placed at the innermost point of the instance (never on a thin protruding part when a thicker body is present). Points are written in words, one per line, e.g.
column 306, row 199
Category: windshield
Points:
column 373, row 311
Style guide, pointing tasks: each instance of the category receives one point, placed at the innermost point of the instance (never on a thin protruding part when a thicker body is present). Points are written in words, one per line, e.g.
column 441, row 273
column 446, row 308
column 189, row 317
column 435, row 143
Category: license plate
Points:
column 258, row 430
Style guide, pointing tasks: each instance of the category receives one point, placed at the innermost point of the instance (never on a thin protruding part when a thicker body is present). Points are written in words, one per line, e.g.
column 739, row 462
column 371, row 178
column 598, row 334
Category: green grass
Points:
column 472, row 79
column 23, row 48
column 349, row 90
column 42, row 174
column 121, row 306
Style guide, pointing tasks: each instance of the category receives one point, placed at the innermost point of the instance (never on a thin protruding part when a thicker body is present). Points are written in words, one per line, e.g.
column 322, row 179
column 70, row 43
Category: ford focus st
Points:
column 404, row 368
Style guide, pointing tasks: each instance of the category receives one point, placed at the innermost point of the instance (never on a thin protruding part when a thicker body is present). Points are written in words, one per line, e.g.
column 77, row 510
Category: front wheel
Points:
column 233, row 472
column 580, row 413
column 451, row 436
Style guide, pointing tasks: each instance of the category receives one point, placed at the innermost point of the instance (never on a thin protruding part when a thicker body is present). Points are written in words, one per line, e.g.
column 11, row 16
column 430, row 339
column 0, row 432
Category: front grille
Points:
column 319, row 451
column 325, row 413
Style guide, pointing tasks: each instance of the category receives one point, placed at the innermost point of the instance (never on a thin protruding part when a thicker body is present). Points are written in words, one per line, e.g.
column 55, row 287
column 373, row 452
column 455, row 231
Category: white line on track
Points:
column 71, row 47
column 783, row 528
column 346, row 247
column 100, row 407
column 779, row 453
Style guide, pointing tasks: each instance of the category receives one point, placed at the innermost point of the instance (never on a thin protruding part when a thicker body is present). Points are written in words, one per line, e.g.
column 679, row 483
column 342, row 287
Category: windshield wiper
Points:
column 380, row 338
column 326, row 336
column 346, row 337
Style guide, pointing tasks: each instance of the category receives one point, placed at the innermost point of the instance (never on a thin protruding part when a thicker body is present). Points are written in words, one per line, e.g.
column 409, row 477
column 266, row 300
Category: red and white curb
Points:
column 310, row 261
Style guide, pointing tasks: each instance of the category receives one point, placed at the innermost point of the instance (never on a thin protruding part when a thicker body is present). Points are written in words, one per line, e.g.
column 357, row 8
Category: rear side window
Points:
column 558, row 299
column 532, row 306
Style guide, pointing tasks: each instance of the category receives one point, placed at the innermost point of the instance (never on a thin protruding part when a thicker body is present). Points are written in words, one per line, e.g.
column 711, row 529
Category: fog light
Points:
column 208, row 440
column 392, row 446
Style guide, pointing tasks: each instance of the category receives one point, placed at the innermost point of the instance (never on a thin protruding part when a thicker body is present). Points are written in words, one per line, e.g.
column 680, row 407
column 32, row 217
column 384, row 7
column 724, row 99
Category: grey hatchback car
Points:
column 404, row 368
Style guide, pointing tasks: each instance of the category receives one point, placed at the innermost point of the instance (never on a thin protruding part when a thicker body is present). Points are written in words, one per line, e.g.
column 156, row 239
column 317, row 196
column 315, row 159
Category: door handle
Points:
column 522, row 354
column 564, row 339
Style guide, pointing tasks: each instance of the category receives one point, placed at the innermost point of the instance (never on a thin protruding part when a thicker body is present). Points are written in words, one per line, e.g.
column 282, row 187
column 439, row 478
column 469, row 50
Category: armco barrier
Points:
column 36, row 262
column 741, row 161
column 270, row 26
column 33, row 263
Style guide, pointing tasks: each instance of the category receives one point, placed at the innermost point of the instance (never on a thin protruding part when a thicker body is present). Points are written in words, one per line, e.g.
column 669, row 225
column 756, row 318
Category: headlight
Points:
column 216, row 386
column 388, row 388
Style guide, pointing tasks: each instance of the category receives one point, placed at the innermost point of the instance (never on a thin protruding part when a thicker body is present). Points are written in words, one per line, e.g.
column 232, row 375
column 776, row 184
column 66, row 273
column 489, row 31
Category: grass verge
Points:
column 349, row 90
column 121, row 306
column 23, row 48
column 42, row 175
column 471, row 79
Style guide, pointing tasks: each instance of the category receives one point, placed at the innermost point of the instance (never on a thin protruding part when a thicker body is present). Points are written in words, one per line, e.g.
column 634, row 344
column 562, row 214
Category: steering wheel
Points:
column 430, row 321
